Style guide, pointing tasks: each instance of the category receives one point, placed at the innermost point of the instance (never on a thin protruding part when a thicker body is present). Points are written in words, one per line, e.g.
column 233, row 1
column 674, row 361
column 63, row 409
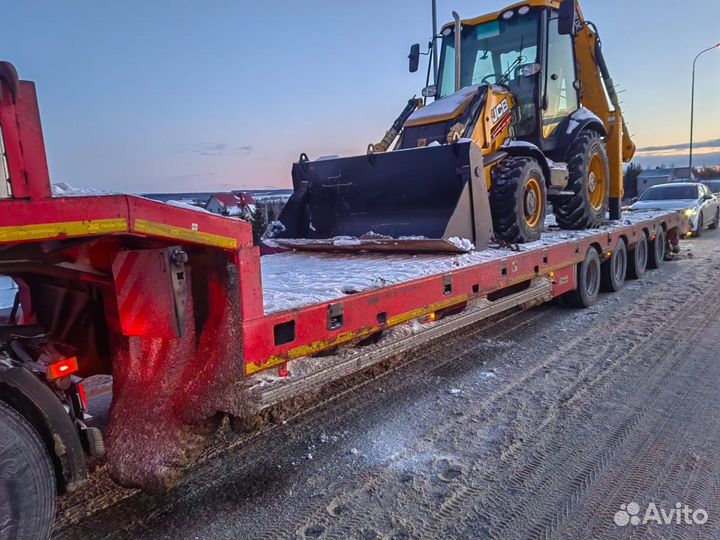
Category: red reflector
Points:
column 83, row 396
column 62, row 369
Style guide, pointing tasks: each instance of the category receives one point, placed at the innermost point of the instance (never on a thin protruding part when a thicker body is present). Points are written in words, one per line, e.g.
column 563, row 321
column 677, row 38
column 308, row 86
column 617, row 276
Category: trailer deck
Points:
column 299, row 279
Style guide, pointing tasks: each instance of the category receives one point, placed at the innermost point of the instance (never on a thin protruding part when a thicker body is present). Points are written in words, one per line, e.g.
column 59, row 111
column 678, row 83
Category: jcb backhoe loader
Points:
column 525, row 112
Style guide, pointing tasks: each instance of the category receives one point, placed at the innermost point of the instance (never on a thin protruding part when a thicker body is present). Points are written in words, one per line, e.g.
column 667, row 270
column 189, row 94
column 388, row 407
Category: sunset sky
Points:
column 151, row 96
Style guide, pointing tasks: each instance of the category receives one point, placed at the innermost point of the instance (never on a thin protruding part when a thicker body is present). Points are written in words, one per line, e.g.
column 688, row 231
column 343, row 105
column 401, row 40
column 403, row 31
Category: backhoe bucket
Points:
column 426, row 199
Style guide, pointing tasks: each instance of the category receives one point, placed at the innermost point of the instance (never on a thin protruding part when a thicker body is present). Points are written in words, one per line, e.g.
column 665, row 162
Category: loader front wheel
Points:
column 518, row 200
column 589, row 180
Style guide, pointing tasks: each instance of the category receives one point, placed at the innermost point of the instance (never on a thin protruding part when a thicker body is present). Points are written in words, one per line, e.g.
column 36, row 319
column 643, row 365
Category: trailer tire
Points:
column 587, row 282
column 27, row 480
column 589, row 180
column 614, row 270
column 638, row 259
column 656, row 253
column 518, row 200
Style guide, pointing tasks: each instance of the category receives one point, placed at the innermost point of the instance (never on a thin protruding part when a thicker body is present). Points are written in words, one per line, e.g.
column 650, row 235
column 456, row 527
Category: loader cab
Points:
column 520, row 48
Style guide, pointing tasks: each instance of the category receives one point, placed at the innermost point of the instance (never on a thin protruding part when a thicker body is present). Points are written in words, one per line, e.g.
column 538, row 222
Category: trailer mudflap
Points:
column 151, row 289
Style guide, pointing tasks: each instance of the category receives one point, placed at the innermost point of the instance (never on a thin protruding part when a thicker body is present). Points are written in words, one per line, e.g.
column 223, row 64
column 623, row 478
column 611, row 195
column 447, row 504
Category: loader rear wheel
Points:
column 587, row 282
column 27, row 479
column 518, row 200
column 589, row 180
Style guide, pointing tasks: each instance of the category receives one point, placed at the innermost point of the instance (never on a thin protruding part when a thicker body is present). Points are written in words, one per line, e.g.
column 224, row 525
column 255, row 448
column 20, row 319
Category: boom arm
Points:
column 596, row 87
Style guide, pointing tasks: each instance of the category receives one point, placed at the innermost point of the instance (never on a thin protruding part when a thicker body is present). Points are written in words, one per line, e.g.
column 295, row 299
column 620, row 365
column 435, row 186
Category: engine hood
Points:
column 445, row 109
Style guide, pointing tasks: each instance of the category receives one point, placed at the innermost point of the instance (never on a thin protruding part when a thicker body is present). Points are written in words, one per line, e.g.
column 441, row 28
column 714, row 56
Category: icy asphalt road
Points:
column 541, row 424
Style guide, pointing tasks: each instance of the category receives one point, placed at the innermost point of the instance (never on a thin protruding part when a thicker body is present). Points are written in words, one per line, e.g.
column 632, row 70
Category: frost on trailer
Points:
column 296, row 279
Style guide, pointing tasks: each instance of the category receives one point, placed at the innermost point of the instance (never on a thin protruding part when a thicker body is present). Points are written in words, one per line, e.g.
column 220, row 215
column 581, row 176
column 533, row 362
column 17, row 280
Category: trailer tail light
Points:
column 63, row 368
column 83, row 396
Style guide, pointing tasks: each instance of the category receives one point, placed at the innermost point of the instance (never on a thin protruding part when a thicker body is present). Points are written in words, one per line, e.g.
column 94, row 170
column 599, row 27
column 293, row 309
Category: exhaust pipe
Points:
column 458, row 43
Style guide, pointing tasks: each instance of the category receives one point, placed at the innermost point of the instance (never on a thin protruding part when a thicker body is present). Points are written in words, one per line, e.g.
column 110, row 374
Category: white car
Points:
column 693, row 199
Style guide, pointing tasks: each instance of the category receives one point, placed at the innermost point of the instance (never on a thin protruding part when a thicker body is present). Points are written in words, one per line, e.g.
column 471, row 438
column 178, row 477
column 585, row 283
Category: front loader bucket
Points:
column 422, row 200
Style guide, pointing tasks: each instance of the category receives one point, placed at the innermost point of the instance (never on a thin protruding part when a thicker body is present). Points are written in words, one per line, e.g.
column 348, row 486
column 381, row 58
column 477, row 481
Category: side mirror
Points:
column 429, row 91
column 566, row 18
column 414, row 57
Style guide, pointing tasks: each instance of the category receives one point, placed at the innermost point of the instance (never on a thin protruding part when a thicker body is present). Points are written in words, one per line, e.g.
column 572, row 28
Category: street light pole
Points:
column 692, row 103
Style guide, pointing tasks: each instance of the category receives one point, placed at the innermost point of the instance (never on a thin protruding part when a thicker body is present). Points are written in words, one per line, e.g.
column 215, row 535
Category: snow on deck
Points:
column 297, row 279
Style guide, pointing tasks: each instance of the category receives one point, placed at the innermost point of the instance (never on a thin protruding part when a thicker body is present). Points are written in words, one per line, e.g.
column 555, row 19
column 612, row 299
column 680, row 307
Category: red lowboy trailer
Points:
column 177, row 305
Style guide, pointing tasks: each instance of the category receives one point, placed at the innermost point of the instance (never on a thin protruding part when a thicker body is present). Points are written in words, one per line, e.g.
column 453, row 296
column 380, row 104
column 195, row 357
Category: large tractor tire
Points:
column 27, row 480
column 518, row 200
column 589, row 180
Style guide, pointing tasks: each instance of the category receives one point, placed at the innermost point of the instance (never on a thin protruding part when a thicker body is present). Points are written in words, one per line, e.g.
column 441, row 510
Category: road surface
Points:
column 549, row 423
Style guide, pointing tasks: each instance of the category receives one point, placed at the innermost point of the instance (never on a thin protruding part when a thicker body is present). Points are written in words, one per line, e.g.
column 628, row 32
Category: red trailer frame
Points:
column 170, row 300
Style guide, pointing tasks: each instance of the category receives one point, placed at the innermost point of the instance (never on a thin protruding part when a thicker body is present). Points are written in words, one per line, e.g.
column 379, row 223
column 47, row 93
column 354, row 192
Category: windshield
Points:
column 713, row 185
column 491, row 51
column 669, row 193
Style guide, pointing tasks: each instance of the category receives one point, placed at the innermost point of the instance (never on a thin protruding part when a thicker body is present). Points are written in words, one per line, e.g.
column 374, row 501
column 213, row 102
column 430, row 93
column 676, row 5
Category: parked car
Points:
column 713, row 186
column 693, row 199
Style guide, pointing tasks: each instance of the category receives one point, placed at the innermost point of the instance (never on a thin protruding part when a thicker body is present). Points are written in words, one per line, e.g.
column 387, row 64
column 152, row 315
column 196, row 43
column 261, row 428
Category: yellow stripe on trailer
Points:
column 46, row 231
column 188, row 235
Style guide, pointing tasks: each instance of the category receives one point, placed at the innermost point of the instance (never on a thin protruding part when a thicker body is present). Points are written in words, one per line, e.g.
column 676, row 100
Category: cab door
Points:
column 561, row 95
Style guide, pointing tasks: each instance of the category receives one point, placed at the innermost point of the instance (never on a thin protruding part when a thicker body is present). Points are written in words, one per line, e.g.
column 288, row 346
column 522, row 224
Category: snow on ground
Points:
column 63, row 189
column 296, row 279
column 8, row 288
column 183, row 203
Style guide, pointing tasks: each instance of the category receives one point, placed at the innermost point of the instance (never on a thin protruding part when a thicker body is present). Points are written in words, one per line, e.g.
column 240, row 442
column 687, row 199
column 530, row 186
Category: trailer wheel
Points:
column 588, row 282
column 657, row 250
column 638, row 259
column 27, row 480
column 589, row 180
column 614, row 270
column 518, row 200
